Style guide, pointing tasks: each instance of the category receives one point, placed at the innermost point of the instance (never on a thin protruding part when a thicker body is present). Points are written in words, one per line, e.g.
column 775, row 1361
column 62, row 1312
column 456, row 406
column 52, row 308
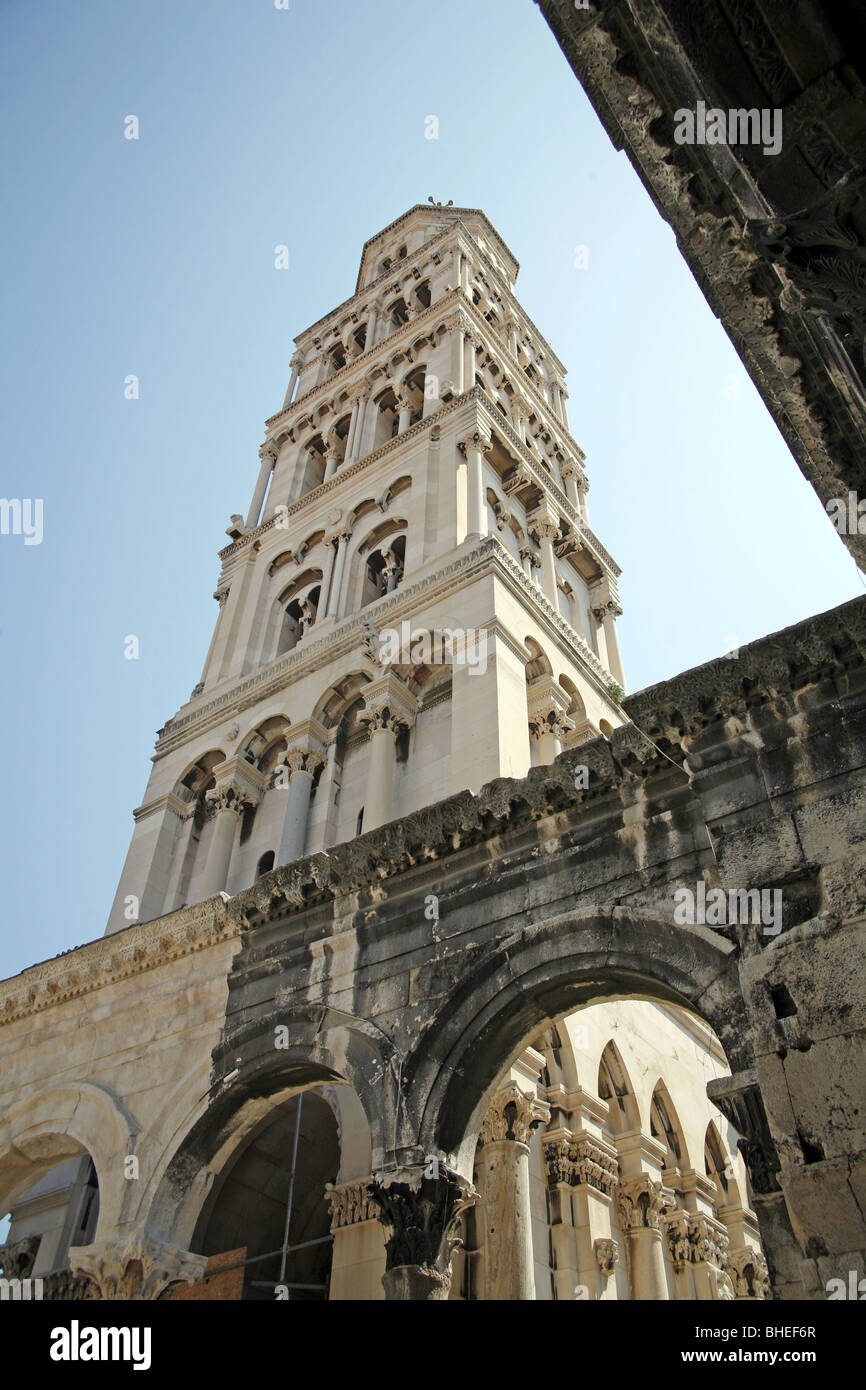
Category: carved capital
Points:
column 306, row 760
column 695, row 1239
column 18, row 1257
column 479, row 439
column 513, row 1115
column 641, row 1202
column 140, row 1267
column 229, row 798
column 421, row 1216
column 748, row 1272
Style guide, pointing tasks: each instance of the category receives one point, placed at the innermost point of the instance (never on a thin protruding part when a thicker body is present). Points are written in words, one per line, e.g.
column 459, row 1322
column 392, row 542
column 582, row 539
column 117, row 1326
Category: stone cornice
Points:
column 273, row 677
column 455, row 214
column 138, row 948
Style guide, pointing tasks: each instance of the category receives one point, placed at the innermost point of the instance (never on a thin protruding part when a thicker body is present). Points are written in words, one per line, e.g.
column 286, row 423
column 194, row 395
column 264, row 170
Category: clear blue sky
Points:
column 156, row 257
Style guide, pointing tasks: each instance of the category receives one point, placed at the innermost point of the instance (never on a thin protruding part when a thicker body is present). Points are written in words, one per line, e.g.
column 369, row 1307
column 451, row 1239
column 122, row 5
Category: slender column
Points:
column 612, row 612
column 372, row 324
column 337, row 581
column 302, row 765
column 527, row 558
column 569, row 478
column 503, row 1166
column 325, row 593
column 547, row 527
column 598, row 613
column 380, row 775
column 468, row 361
column 366, row 426
column 405, row 407
column 331, row 460
column 421, row 1215
column 511, row 330
column 269, row 458
column 230, row 805
column 640, row 1202
column 295, row 365
column 582, row 1174
column 474, row 447
column 457, row 353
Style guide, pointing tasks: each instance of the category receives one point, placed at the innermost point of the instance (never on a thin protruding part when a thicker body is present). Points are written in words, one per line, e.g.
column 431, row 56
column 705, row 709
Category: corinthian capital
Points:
column 479, row 439
column 640, row 1203
column 140, row 1267
column 301, row 760
column 513, row 1115
column 229, row 799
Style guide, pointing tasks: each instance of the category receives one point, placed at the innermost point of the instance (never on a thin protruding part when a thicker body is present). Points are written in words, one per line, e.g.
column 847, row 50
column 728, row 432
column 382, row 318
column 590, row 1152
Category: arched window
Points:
column 298, row 618
column 384, row 569
column 265, row 864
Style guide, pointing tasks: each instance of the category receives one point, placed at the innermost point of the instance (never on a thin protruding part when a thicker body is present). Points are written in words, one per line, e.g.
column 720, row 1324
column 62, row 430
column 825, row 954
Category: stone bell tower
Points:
column 415, row 604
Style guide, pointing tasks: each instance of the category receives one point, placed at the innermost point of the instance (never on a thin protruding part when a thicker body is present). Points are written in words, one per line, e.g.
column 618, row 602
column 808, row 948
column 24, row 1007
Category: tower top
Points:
column 423, row 221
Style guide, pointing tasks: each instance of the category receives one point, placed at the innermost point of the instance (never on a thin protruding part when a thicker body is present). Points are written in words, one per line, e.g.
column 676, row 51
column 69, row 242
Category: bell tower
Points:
column 415, row 604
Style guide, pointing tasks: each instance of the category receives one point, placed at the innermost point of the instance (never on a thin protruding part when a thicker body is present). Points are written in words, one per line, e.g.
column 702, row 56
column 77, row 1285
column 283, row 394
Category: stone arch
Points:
column 616, row 1087
column 550, row 969
column 323, row 1047
column 60, row 1122
column 665, row 1126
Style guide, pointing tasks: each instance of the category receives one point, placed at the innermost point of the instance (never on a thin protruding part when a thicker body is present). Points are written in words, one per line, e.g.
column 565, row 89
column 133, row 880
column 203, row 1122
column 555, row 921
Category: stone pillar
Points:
column 337, row 580
column 527, row 558
column 295, row 365
column 372, row 325
column 548, row 717
column 698, row 1246
column 420, row 1215
column 605, row 610
column 503, row 1166
column 301, row 765
column 569, row 478
column 357, row 398
column 457, row 326
column 511, row 329
column 404, row 405
column 269, row 458
column 388, row 705
column 229, row 803
column 640, row 1202
column 325, row 592
column 137, row 1268
column 332, row 458
column 474, row 447
column 358, row 1260
column 468, row 360
column 545, row 525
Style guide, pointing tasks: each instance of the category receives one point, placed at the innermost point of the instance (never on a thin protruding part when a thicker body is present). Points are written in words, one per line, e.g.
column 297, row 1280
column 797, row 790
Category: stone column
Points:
column 421, row 1215
column 582, row 1173
column 549, row 724
column 137, row 1268
column 527, row 557
column 332, row 459
column 511, row 329
column 569, row 478
column 468, row 360
column 457, row 326
column 337, row 580
column 474, row 447
column 611, row 641
column 372, row 325
column 269, row 458
column 295, row 365
column 301, row 765
column 355, row 397
column 404, row 405
column 640, row 1202
column 388, row 705
column 545, row 525
column 229, row 803
column 358, row 1260
column 503, row 1166
column 327, row 575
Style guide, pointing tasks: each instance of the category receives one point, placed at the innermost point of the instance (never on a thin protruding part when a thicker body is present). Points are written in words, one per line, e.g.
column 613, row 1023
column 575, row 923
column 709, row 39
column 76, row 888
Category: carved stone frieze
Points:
column 748, row 1272
column 580, row 1159
column 641, row 1202
column 695, row 1239
column 351, row 1203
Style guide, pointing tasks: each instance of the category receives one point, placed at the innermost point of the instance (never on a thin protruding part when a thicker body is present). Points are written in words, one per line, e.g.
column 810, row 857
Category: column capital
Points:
column 136, row 1268
column 421, row 1215
column 512, row 1115
column 269, row 453
column 748, row 1272
column 694, row 1239
column 388, row 703
column 238, row 785
column 548, row 704
column 305, row 760
column 351, row 1203
column 641, row 1202
column 479, row 439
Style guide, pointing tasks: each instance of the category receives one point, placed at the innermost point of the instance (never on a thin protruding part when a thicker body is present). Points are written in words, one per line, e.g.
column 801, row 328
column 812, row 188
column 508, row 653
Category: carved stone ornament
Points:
column 306, row 760
column 421, row 1216
column 749, row 1275
column 606, row 1256
column 18, row 1258
column 641, row 1203
column 512, row 1115
column 578, row 1160
column 351, row 1203
column 695, row 1239
column 228, row 799
column 138, row 1268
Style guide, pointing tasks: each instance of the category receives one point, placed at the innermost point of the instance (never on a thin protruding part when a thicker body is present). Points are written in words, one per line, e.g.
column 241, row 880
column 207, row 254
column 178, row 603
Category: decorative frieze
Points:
column 351, row 1203
column 694, row 1238
column 580, row 1159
